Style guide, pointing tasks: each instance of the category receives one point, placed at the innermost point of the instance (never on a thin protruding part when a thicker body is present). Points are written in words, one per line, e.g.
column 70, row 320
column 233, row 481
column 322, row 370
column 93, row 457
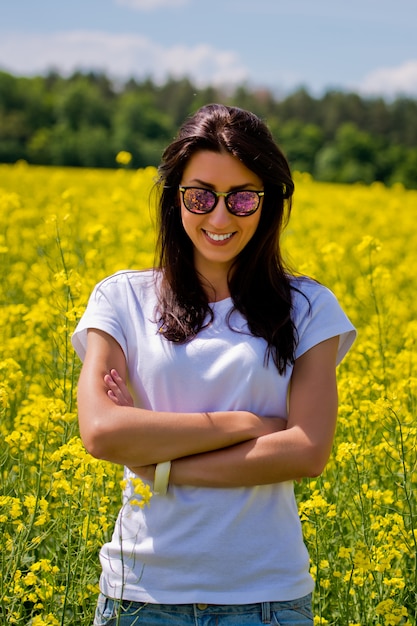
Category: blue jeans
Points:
column 125, row 613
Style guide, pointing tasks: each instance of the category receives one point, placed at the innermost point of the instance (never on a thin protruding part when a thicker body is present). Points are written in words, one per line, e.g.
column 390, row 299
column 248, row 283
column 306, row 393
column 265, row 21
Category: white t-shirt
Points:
column 208, row 545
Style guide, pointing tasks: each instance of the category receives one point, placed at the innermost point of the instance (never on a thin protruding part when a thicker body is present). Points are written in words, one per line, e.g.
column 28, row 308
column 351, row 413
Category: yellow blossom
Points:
column 62, row 230
column 123, row 157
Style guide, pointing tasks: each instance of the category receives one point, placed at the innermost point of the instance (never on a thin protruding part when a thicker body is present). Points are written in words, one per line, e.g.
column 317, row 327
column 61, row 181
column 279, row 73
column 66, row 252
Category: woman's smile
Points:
column 218, row 237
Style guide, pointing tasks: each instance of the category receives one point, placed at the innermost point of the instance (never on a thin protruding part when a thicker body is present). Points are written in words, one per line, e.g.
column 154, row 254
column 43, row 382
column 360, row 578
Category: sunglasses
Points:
column 240, row 203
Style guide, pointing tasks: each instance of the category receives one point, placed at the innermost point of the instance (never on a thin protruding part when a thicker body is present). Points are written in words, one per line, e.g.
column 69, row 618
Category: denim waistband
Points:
column 263, row 608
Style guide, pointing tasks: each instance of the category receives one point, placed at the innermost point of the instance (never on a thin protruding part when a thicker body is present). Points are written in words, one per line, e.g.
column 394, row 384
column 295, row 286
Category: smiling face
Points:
column 218, row 237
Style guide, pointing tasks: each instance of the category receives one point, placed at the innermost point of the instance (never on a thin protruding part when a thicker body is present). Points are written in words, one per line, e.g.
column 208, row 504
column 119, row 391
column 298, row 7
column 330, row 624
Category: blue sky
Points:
column 369, row 46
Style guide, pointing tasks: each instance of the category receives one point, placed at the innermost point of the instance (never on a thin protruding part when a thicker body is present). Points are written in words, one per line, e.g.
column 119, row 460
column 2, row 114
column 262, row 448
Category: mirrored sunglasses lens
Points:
column 243, row 202
column 199, row 200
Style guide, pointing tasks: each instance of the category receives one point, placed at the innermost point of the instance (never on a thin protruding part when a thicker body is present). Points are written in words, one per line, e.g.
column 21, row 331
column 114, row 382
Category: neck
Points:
column 216, row 286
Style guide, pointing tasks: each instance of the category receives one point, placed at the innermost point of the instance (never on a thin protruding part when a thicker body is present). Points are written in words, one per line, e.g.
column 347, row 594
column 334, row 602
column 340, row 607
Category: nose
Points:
column 220, row 217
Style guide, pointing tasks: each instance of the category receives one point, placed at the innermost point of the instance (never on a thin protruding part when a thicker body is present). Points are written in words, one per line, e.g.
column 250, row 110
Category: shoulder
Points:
column 307, row 293
column 129, row 277
column 116, row 301
column 318, row 315
column 124, row 282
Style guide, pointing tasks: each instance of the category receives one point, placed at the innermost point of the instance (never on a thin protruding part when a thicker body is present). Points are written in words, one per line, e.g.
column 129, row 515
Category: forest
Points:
column 86, row 119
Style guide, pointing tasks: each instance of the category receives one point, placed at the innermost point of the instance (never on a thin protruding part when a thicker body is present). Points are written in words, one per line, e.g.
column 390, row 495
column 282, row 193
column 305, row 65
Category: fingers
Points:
column 117, row 389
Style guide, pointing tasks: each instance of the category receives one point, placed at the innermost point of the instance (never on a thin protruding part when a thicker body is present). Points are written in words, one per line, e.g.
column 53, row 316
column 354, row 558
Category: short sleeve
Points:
column 100, row 314
column 318, row 316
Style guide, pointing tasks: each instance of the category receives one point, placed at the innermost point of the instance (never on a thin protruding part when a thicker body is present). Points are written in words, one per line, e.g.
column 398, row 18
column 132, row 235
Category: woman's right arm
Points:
column 134, row 436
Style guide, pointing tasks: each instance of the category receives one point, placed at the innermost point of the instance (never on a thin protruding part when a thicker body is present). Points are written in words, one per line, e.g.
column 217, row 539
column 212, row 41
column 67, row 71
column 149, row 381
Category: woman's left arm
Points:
column 301, row 450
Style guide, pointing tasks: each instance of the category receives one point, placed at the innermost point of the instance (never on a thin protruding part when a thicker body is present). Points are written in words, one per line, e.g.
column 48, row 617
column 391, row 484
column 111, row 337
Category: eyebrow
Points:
column 234, row 188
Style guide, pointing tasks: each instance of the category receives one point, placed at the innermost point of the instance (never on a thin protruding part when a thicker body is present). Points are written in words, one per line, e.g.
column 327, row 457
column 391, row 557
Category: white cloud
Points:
column 120, row 56
column 149, row 5
column 392, row 81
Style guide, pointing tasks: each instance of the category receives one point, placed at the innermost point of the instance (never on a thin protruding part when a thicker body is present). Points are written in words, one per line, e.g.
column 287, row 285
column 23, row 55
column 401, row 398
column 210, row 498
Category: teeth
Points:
column 218, row 237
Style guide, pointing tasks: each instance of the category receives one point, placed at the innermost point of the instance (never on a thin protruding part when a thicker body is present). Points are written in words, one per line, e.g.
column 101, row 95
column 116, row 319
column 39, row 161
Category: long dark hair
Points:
column 259, row 283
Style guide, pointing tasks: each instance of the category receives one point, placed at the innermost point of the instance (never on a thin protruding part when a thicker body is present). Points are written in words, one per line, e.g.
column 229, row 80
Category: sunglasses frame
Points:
column 222, row 194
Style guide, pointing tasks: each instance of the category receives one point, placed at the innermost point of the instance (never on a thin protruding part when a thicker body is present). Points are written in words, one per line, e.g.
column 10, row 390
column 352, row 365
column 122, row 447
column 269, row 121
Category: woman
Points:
column 209, row 342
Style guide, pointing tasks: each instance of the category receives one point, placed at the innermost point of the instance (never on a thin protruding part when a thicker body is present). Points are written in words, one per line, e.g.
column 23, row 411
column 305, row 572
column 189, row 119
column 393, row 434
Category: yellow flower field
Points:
column 62, row 230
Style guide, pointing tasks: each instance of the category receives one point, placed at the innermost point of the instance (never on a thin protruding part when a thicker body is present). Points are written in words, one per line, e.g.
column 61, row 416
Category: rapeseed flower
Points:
column 62, row 230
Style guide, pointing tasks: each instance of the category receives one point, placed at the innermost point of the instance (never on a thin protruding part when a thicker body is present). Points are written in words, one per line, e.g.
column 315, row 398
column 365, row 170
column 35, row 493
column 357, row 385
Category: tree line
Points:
column 86, row 119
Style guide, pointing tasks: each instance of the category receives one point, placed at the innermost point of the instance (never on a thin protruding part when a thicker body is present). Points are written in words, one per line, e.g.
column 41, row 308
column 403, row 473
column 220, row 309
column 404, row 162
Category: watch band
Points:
column 161, row 480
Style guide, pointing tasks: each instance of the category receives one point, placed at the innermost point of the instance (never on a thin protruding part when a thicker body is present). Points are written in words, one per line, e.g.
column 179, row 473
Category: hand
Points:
column 120, row 395
column 117, row 389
